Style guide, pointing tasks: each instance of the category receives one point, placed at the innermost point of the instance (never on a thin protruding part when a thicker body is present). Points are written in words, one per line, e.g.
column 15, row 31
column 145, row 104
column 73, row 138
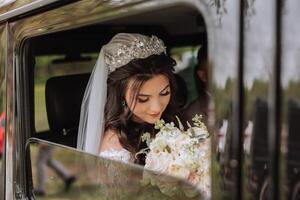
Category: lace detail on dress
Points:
column 119, row 155
column 116, row 177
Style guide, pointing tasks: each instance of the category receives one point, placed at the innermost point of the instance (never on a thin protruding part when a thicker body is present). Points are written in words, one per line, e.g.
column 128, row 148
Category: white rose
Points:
column 157, row 145
column 158, row 161
column 178, row 171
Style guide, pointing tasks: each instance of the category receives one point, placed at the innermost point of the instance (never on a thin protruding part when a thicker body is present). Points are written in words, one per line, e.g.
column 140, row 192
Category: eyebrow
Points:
column 147, row 95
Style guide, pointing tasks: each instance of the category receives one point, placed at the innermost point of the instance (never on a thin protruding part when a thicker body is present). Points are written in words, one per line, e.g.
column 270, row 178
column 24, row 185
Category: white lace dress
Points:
column 118, row 181
column 119, row 155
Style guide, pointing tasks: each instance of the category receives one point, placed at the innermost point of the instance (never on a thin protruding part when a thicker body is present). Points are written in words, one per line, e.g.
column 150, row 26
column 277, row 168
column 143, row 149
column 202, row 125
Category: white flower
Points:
column 158, row 145
column 191, row 162
column 180, row 153
column 158, row 161
column 178, row 171
column 193, row 178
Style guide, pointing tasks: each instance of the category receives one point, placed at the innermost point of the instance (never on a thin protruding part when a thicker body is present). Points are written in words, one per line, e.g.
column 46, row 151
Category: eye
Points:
column 165, row 93
column 142, row 100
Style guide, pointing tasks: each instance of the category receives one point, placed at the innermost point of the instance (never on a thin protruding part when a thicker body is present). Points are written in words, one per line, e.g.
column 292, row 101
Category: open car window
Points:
column 93, row 177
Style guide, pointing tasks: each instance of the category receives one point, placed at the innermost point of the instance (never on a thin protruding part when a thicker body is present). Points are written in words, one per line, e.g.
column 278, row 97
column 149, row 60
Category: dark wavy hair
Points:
column 118, row 116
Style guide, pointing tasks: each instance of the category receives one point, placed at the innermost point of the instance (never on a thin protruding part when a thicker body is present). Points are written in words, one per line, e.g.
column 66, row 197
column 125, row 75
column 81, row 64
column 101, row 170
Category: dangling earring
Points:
column 124, row 104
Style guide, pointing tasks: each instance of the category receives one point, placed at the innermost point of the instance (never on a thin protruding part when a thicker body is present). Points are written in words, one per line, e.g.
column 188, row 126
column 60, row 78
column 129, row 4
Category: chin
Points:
column 147, row 119
column 153, row 120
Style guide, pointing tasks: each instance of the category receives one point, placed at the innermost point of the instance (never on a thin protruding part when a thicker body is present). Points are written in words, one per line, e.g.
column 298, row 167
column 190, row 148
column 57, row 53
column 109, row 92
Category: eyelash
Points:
column 145, row 100
column 166, row 93
column 142, row 100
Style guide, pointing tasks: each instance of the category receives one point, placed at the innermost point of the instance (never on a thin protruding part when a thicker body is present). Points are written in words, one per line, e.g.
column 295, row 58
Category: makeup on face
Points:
column 151, row 100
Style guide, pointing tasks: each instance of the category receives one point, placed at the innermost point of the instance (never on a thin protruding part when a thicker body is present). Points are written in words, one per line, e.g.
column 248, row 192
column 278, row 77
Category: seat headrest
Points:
column 63, row 101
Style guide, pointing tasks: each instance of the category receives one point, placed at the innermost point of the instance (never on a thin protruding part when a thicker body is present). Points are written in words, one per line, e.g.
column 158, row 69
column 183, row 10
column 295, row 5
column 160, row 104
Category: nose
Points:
column 156, row 106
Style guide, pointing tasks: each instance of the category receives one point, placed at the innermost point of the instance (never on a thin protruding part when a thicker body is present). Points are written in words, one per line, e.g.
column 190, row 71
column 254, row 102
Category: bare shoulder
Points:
column 110, row 141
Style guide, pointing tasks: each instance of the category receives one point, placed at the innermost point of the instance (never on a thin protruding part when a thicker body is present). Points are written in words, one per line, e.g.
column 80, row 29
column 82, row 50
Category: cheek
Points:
column 139, row 109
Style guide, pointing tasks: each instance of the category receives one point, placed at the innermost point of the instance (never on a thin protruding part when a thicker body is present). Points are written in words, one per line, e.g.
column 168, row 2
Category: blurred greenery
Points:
column 186, row 73
column 41, row 122
column 223, row 100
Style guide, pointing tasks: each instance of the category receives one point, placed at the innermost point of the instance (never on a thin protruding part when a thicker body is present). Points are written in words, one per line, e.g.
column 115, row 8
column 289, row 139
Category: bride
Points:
column 131, row 87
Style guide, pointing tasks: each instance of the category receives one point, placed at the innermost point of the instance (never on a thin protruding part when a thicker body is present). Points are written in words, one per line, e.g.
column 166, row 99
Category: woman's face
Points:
column 151, row 100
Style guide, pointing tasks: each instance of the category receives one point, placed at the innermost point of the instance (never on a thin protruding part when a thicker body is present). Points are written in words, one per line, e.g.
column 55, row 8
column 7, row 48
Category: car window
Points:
column 258, row 75
column 65, row 173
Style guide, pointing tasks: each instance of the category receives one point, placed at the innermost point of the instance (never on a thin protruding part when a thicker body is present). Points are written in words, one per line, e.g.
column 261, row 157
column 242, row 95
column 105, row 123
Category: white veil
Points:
column 122, row 48
column 91, row 123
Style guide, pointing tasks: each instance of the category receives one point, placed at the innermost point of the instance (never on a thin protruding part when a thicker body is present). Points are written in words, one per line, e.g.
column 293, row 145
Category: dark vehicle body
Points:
column 49, row 47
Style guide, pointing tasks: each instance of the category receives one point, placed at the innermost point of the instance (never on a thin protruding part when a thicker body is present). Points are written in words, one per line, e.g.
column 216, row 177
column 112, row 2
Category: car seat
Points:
column 63, row 102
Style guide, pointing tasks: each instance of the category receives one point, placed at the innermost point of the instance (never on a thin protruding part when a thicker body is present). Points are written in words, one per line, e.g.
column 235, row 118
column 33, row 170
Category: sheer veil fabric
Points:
column 91, row 125
column 121, row 49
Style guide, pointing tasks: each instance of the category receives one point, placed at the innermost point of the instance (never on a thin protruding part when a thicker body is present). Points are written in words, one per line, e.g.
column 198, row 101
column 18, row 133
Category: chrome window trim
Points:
column 10, row 117
column 26, row 8
column 102, row 12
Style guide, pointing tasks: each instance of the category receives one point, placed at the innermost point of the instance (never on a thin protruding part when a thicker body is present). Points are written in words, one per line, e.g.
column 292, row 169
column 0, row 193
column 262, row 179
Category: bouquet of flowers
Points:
column 184, row 154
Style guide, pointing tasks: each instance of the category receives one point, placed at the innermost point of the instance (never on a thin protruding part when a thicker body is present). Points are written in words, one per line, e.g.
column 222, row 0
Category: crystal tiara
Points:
column 139, row 48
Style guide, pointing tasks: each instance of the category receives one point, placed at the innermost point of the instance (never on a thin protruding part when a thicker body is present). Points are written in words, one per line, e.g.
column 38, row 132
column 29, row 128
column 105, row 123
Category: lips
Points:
column 155, row 115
